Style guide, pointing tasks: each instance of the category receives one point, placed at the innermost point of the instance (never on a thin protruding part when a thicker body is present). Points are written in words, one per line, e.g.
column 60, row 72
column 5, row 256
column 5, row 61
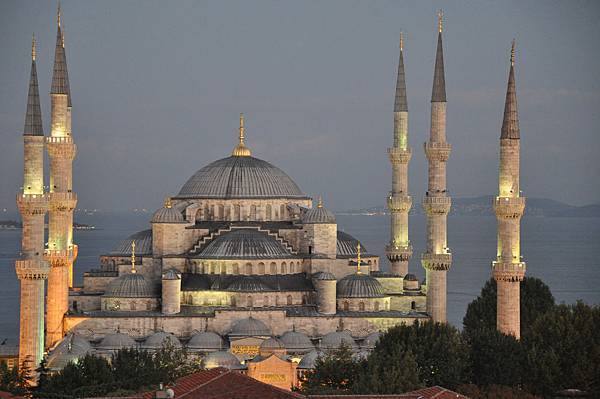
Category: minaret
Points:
column 399, row 250
column 508, row 269
column 31, row 268
column 61, row 251
column 437, row 259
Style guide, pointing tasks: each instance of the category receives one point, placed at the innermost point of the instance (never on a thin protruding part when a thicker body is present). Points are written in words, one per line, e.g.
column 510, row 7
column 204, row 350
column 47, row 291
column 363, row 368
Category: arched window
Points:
column 252, row 212
column 148, row 305
column 413, row 305
column 233, row 301
column 236, row 212
column 276, row 300
column 291, row 267
column 376, row 306
column 289, row 300
column 282, row 211
column 261, row 268
column 212, row 212
column 361, row 306
column 206, row 212
column 248, row 268
column 213, row 268
column 304, row 301
column 268, row 212
column 346, row 306
column 283, row 268
column 249, row 302
column 273, row 268
column 236, row 268
column 132, row 305
column 266, row 301
column 221, row 212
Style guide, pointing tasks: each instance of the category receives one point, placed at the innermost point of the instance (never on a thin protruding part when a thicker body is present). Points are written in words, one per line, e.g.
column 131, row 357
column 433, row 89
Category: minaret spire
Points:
column 438, row 93
column 33, row 116
column 399, row 250
column 508, row 269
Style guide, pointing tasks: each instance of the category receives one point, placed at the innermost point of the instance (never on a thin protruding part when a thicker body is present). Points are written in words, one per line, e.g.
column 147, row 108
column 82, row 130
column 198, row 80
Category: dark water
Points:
column 564, row 252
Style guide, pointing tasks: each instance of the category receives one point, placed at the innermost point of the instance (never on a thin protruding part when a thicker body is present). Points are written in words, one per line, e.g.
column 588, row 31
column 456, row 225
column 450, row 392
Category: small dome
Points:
column 411, row 283
column 359, row 285
column 143, row 244
column 206, row 340
column 272, row 344
column 171, row 274
column 410, row 277
column 295, row 341
column 250, row 327
column 324, row 276
column 317, row 215
column 131, row 285
column 167, row 214
column 70, row 349
column 371, row 340
column 308, row 361
column 160, row 338
column 116, row 341
column 334, row 340
column 245, row 244
column 222, row 359
column 247, row 284
column 346, row 245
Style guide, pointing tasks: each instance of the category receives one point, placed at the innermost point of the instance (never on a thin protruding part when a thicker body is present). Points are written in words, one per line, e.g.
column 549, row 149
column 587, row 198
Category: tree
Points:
column 496, row 358
column 380, row 377
column 536, row 299
column 334, row 373
column 12, row 380
column 494, row 392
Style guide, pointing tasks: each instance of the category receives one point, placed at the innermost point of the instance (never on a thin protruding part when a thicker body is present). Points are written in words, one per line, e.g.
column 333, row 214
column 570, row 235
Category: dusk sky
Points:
column 157, row 88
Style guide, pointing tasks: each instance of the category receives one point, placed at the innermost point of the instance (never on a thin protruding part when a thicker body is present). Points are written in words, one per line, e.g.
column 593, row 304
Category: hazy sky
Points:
column 157, row 88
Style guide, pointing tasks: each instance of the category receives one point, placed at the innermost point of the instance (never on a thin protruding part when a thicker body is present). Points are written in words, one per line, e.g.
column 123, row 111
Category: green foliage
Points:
column 334, row 373
column 11, row 380
column 389, row 373
column 494, row 392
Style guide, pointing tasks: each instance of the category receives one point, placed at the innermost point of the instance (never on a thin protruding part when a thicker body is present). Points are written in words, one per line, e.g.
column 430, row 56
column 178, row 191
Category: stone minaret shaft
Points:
column 31, row 268
column 508, row 269
column 437, row 258
column 399, row 250
column 61, row 252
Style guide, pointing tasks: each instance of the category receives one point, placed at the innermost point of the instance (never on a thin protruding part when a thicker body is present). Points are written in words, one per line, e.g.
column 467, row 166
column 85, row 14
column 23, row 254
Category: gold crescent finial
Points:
column 62, row 37
column 512, row 52
column 242, row 130
column 241, row 150
column 401, row 41
column 320, row 203
column 168, row 203
column 133, row 257
column 33, row 48
column 58, row 14
column 358, row 258
column 440, row 20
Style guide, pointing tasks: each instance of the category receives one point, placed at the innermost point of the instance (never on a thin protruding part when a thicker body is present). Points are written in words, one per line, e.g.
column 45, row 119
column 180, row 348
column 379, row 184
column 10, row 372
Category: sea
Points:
column 563, row 252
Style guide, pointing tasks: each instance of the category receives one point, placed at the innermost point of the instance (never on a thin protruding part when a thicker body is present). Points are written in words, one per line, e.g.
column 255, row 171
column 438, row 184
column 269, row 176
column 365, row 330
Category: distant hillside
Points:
column 482, row 206
column 13, row 224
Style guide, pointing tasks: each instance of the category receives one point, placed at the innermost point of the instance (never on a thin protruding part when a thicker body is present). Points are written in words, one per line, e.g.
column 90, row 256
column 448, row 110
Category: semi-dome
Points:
column 317, row 215
column 250, row 327
column 143, row 244
column 131, row 285
column 334, row 340
column 295, row 341
column 347, row 245
column 160, row 338
column 272, row 344
column 245, row 244
column 240, row 177
column 359, row 285
column 248, row 284
column 324, row 276
column 308, row 361
column 116, row 341
column 410, row 277
column 222, row 359
column 206, row 340
column 70, row 349
column 171, row 274
column 167, row 214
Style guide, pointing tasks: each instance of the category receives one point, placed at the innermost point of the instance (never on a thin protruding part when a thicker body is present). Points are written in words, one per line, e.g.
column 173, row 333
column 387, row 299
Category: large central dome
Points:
column 240, row 177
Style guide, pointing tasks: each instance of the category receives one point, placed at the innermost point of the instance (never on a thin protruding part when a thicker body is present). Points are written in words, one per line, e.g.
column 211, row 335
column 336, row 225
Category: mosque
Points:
column 239, row 266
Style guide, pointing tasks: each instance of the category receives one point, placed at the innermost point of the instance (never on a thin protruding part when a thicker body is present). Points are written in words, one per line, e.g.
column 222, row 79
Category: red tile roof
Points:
column 435, row 392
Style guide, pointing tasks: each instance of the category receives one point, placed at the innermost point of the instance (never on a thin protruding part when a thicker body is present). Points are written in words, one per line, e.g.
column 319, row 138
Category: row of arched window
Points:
column 248, row 300
column 247, row 269
column 238, row 212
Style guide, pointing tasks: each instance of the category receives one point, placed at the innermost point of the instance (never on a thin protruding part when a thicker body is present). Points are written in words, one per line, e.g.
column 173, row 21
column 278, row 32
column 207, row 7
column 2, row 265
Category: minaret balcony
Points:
column 508, row 271
column 61, row 147
column 32, row 204
column 59, row 257
column 398, row 253
column 437, row 205
column 63, row 201
column 509, row 207
column 31, row 269
column 439, row 262
column 399, row 204
column 399, row 155
column 437, row 151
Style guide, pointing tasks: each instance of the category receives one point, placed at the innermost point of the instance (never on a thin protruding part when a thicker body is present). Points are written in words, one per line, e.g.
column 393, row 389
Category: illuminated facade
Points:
column 508, row 269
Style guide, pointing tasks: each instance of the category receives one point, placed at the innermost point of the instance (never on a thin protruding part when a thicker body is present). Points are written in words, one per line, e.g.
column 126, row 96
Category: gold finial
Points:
column 358, row 259
column 62, row 37
column 512, row 52
column 133, row 257
column 440, row 20
column 241, row 150
column 401, row 41
column 58, row 14
column 168, row 203
column 320, row 203
column 33, row 48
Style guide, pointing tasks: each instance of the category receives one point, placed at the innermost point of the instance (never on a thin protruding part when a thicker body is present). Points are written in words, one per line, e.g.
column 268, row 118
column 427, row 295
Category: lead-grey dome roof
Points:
column 167, row 215
column 240, row 177
column 116, row 341
column 327, row 276
column 272, row 343
column 250, row 327
column 222, row 359
column 318, row 214
column 334, row 340
column 296, row 341
column 359, row 285
column 70, row 349
column 206, row 340
column 346, row 245
column 159, row 338
column 308, row 361
column 245, row 244
column 143, row 244
column 131, row 285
